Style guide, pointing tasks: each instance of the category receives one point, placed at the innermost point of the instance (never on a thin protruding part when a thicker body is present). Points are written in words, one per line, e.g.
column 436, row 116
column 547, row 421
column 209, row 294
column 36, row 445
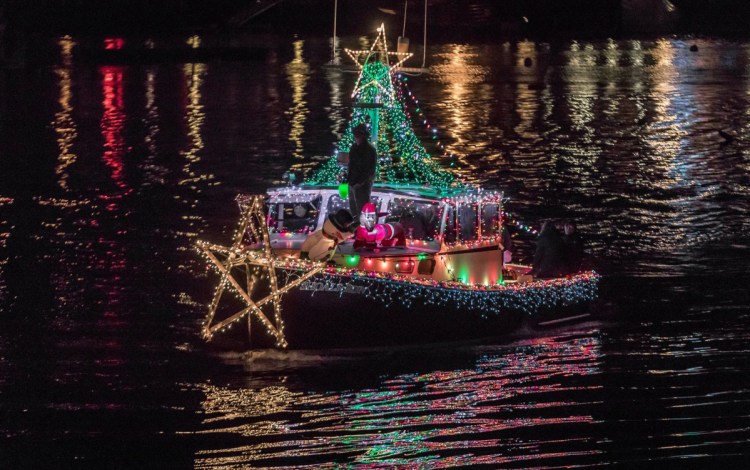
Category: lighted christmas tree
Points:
column 401, row 156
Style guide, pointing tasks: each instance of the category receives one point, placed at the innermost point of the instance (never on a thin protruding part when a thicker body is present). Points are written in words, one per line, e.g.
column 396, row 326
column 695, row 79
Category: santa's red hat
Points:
column 368, row 208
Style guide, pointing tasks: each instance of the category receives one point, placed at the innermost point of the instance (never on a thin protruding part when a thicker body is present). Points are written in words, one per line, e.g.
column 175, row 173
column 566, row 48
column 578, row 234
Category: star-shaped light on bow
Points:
column 248, row 268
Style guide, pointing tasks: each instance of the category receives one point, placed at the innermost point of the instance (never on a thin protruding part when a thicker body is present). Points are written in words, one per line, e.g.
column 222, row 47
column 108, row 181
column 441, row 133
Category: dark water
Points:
column 110, row 173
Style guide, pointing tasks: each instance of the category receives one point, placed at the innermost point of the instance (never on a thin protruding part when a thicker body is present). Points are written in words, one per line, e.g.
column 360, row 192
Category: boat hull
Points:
column 352, row 311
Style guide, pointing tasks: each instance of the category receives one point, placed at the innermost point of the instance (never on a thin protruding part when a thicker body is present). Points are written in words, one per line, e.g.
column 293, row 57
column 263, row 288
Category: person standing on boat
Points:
column 550, row 260
column 362, row 161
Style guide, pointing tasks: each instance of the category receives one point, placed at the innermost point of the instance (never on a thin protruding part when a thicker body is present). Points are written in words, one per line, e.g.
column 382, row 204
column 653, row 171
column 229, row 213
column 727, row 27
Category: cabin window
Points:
column 335, row 203
column 419, row 219
column 490, row 220
column 449, row 234
column 468, row 223
column 294, row 216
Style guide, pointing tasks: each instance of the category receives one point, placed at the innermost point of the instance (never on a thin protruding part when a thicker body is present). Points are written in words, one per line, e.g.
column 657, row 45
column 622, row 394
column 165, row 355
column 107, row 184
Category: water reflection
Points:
column 581, row 90
column 109, row 258
column 194, row 117
column 154, row 171
column 113, row 127
column 337, row 107
column 5, row 228
column 665, row 138
column 193, row 179
column 682, row 135
column 467, row 119
column 527, row 107
column 526, row 389
column 64, row 125
column 152, row 113
column 297, row 73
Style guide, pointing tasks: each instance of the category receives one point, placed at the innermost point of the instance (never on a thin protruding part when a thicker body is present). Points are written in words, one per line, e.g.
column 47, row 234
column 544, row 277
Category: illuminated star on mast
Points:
column 378, row 51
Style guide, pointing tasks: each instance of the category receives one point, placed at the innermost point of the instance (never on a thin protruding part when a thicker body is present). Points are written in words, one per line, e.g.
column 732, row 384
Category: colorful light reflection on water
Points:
column 494, row 411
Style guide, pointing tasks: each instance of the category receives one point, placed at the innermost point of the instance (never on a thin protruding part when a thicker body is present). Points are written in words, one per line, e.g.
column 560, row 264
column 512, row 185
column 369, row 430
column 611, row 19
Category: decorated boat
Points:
column 426, row 261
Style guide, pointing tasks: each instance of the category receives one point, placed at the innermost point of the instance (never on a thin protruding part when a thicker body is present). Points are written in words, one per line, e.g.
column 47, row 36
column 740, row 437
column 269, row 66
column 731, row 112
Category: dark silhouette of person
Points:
column 362, row 161
column 573, row 247
column 549, row 259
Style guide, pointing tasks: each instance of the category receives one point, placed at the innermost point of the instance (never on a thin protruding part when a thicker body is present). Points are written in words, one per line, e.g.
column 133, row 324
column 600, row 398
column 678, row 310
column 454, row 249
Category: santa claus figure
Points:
column 373, row 236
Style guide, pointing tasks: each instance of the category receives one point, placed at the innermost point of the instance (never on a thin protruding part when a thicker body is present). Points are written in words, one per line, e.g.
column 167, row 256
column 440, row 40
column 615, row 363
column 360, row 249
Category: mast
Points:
column 333, row 45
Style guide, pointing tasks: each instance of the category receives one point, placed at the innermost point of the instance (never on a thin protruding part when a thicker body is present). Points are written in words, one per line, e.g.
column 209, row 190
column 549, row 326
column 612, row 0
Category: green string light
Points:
column 402, row 157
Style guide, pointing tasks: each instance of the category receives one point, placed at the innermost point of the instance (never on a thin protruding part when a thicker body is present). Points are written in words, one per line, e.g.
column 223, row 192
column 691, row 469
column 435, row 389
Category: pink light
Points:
column 114, row 43
column 113, row 125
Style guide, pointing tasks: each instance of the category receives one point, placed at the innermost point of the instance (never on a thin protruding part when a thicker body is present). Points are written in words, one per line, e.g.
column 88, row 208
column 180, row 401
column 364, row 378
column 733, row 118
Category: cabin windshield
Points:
column 490, row 220
column 461, row 223
column 468, row 221
column 335, row 203
column 419, row 219
column 300, row 216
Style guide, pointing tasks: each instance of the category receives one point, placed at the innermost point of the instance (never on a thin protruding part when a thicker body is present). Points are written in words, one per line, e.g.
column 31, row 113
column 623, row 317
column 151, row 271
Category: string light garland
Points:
column 529, row 297
column 510, row 219
column 403, row 92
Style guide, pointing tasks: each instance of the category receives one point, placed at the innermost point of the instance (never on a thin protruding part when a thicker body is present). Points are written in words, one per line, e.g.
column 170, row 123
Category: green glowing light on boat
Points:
column 463, row 275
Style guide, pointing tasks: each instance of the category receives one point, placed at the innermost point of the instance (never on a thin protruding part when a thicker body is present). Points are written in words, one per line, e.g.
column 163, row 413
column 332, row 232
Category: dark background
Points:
column 447, row 18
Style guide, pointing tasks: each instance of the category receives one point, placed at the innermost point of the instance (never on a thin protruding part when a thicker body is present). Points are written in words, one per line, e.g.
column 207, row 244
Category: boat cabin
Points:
column 445, row 236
